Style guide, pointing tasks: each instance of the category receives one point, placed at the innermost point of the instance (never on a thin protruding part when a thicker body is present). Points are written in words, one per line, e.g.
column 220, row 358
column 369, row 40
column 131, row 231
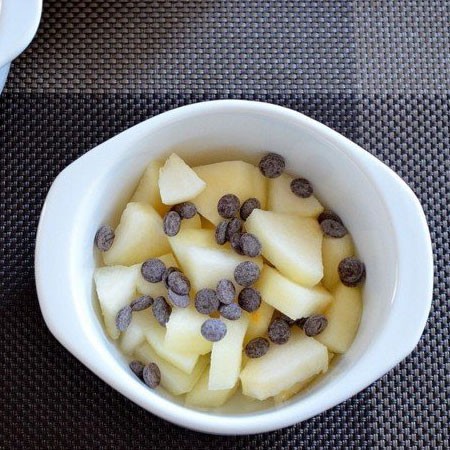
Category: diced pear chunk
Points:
column 178, row 182
column 115, row 289
column 285, row 395
column 281, row 199
column 292, row 299
column 144, row 287
column 134, row 335
column 192, row 223
column 229, row 177
column 147, row 190
column 343, row 316
column 155, row 335
column 183, row 331
column 283, row 366
column 139, row 236
column 226, row 355
column 334, row 250
column 259, row 322
column 293, row 244
column 203, row 261
column 174, row 380
column 202, row 397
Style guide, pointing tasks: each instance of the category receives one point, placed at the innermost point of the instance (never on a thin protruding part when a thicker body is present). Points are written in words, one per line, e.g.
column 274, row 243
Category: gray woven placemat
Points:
column 378, row 72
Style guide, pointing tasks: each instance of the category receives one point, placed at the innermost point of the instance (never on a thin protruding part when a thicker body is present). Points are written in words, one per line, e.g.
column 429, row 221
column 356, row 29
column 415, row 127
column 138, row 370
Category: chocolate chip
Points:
column 272, row 165
column 249, row 299
column 213, row 330
column 161, row 310
column 228, row 206
column 230, row 312
column 257, row 347
column 250, row 245
column 186, row 210
column 333, row 228
column 315, row 324
column 104, row 238
column 248, row 206
column 328, row 215
column 351, row 271
column 234, row 226
column 279, row 331
column 287, row 319
column 225, row 291
column 182, row 301
column 301, row 322
column 168, row 271
column 178, row 282
column 152, row 375
column 153, row 270
column 246, row 273
column 206, row 301
column 235, row 242
column 137, row 368
column 301, row 187
column 221, row 232
column 172, row 223
column 123, row 318
column 141, row 303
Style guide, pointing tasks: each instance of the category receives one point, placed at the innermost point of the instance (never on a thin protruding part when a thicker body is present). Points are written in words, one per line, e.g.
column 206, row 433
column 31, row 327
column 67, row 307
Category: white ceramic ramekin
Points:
column 19, row 21
column 383, row 215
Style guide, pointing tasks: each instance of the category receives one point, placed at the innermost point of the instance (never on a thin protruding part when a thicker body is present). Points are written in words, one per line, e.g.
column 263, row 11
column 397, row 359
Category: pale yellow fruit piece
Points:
column 155, row 335
column 192, row 223
column 281, row 199
column 205, row 267
column 203, row 261
column 183, row 331
column 259, row 322
column 284, row 365
column 226, row 355
column 285, row 395
column 173, row 380
column 144, row 287
column 115, row 289
column 202, row 397
column 334, row 250
column 292, row 299
column 178, row 182
column 147, row 190
column 139, row 236
column 229, row 177
column 134, row 335
column 343, row 316
column 293, row 244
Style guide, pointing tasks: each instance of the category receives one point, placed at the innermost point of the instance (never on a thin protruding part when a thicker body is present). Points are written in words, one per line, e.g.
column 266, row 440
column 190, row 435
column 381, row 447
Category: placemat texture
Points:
column 376, row 71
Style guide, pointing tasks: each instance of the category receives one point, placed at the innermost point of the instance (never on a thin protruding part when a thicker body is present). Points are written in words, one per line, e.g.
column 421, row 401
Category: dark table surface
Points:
column 376, row 71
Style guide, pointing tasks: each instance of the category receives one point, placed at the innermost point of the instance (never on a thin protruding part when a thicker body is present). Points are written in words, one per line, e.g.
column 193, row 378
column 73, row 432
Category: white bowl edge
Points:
column 402, row 329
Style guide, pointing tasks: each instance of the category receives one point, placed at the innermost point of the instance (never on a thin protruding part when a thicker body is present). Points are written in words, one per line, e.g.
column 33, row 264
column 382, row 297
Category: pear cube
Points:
column 344, row 315
column 284, row 365
column 334, row 250
column 173, row 380
column 282, row 199
column 226, row 355
column 139, row 236
column 147, row 190
column 229, row 177
column 115, row 289
column 178, row 182
column 292, row 299
column 293, row 244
